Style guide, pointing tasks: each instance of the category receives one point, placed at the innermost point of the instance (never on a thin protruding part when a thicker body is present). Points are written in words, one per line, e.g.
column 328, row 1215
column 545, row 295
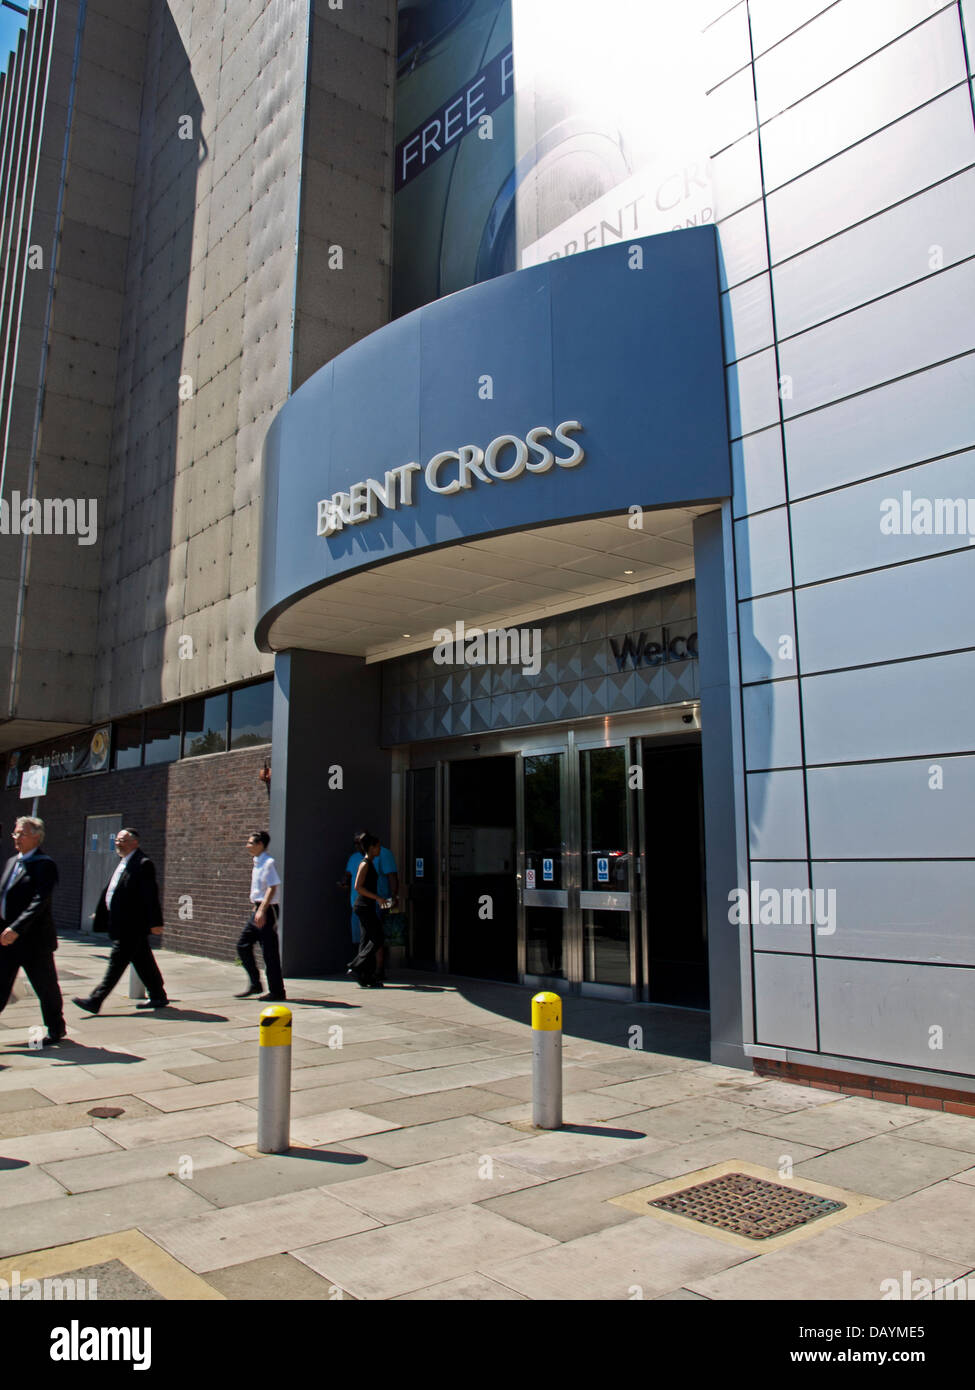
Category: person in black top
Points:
column 367, row 966
column 28, row 937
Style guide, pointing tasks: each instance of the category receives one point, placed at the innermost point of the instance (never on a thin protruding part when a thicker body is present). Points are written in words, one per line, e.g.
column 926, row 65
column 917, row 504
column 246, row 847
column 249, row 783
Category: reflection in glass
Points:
column 250, row 715
column 606, row 947
column 543, row 819
column 205, row 726
column 605, row 861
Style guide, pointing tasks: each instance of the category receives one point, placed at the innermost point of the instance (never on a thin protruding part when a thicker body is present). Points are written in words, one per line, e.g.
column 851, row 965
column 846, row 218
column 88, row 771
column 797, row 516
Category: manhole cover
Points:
column 106, row 1112
column 747, row 1206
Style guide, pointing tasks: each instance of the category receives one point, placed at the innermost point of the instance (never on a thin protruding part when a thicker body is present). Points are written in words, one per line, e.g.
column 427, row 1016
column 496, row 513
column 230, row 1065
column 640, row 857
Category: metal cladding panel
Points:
column 634, row 355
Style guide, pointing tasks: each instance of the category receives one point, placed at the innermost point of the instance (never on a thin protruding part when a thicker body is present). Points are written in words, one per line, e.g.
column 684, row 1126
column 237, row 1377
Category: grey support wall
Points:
column 329, row 779
column 845, row 199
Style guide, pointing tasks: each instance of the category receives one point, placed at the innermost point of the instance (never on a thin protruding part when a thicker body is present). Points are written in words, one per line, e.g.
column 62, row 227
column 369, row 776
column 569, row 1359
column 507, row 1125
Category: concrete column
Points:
column 329, row 779
column 724, row 786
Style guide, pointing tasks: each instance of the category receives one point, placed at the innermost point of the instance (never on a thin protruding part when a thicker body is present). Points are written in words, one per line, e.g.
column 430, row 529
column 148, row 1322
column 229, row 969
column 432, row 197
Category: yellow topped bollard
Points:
column 274, row 1081
column 547, row 1061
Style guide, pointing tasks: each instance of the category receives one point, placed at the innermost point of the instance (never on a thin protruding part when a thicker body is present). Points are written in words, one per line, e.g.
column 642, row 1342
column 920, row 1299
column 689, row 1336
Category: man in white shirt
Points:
column 28, row 937
column 262, row 927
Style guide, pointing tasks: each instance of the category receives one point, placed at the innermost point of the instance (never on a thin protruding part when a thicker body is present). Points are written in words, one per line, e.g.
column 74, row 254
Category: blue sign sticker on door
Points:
column 602, row 870
column 419, row 868
column 548, row 873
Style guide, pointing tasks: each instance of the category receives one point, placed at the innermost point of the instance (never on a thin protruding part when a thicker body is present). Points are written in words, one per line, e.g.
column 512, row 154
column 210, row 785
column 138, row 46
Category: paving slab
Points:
column 468, row 1288
column 574, row 1206
column 183, row 1097
column 663, row 1089
column 213, row 1120
column 67, row 1143
column 406, row 1193
column 338, row 1072
column 241, row 1234
column 887, row 1166
column 939, row 1221
column 415, row 1254
column 574, row 1078
column 782, row 1096
column 349, row 1095
column 325, row 1128
column 579, row 1148
column 447, row 1056
column 272, row 1175
column 685, row 1121
column 96, row 1088
column 835, row 1124
column 239, row 1051
column 834, row 1265
column 448, row 1078
column 947, row 1131
column 968, row 1176
column 689, row 1156
column 640, row 1259
column 19, row 1123
column 439, row 1139
column 577, row 1108
column 37, row 1225
column 275, row 1278
column 23, row 1098
column 174, row 1159
column 19, row 1186
column 437, row 1105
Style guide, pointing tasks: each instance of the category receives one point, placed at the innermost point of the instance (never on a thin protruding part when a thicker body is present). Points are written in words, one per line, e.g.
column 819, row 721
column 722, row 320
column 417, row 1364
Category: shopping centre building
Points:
column 542, row 434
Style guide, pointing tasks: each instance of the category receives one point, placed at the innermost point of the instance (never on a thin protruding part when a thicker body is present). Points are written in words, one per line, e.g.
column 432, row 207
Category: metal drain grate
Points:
column 747, row 1206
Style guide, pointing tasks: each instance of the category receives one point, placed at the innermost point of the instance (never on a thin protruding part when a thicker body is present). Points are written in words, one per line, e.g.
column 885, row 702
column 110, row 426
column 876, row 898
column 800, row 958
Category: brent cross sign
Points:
column 586, row 386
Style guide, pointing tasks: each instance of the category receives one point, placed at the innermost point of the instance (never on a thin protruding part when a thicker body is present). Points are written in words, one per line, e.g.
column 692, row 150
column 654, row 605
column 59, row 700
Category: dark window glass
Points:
column 127, row 743
column 205, row 726
column 250, row 715
column 162, row 735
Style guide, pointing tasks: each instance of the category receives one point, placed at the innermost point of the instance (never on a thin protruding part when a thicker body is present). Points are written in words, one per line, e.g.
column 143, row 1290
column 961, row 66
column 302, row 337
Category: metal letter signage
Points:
column 461, row 466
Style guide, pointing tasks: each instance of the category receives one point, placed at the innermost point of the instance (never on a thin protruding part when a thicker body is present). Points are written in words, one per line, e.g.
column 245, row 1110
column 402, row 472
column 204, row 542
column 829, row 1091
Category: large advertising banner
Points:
column 528, row 130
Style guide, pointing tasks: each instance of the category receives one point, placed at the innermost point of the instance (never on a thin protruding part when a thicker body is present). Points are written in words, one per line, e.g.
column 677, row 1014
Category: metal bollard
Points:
column 137, row 989
column 274, row 1081
column 547, row 1061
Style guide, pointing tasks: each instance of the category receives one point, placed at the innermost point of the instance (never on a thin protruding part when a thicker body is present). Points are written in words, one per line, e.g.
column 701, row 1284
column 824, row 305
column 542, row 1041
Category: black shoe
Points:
column 49, row 1041
column 251, row 989
column 153, row 1004
column 274, row 998
column 376, row 984
column 90, row 1006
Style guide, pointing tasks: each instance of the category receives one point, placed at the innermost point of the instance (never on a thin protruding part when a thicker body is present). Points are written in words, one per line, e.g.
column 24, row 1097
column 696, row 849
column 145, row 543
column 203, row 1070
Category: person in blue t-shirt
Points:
column 387, row 885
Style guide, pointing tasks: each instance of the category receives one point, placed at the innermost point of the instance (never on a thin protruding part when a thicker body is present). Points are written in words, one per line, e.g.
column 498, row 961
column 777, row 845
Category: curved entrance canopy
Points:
column 533, row 444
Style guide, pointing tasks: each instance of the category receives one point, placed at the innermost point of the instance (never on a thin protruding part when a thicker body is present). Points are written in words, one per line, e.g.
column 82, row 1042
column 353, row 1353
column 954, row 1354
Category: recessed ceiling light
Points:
column 627, row 571
column 407, row 634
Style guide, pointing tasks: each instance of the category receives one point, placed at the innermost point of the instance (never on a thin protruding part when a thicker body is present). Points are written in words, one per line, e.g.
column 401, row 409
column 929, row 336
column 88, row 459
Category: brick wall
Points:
column 193, row 817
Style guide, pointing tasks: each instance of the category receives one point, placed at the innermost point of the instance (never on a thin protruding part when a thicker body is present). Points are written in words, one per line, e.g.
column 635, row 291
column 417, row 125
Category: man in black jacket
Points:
column 129, row 911
column 29, row 938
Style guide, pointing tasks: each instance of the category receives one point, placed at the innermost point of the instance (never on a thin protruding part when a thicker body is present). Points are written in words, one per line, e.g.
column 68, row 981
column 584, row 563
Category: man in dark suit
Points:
column 129, row 911
column 29, row 938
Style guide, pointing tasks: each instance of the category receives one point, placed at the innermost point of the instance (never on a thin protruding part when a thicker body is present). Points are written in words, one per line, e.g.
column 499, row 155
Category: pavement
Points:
column 128, row 1155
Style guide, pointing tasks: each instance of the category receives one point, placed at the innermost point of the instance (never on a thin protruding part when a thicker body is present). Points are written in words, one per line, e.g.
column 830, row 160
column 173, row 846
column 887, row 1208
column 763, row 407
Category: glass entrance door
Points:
column 606, row 862
column 577, row 897
column 544, row 868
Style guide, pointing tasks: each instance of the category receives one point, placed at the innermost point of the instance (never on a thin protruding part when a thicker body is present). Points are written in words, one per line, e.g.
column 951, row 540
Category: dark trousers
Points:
column 363, row 966
column 267, row 938
column 134, row 950
column 39, row 968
